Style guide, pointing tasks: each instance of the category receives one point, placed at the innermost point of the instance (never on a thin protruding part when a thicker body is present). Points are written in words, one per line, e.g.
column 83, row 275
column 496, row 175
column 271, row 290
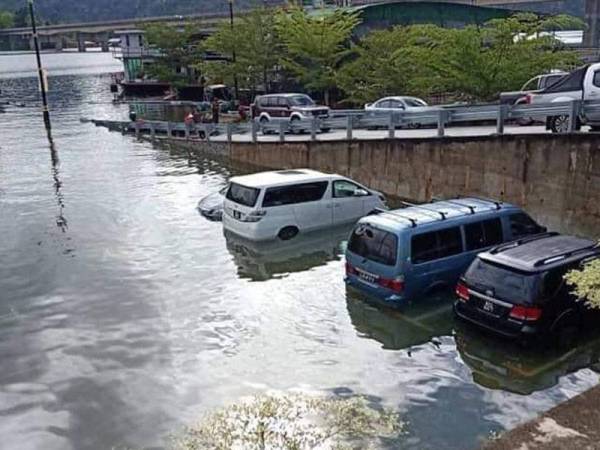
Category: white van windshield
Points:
column 374, row 244
column 243, row 195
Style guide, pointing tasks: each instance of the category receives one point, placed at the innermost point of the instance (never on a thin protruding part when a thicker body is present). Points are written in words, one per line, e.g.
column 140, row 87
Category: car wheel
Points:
column 294, row 120
column 287, row 233
column 263, row 121
column 566, row 337
column 560, row 124
column 325, row 130
column 525, row 121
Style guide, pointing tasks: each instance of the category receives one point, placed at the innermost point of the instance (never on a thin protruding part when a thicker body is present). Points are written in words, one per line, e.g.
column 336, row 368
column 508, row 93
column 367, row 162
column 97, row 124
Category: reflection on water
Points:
column 402, row 329
column 260, row 261
column 124, row 314
column 502, row 365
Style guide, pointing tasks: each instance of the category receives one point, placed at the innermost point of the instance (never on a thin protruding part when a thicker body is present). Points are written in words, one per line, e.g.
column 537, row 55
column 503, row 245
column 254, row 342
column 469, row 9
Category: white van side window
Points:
column 297, row 193
column 343, row 188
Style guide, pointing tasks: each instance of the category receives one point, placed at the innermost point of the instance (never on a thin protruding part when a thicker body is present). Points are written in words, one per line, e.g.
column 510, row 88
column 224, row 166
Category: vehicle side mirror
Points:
column 361, row 192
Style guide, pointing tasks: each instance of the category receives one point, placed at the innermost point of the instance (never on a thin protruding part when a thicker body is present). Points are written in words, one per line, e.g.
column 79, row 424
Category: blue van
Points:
column 402, row 254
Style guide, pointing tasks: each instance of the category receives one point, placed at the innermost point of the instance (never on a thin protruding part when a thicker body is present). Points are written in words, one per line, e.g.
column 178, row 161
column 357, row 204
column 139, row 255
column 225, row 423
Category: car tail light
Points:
column 254, row 216
column 525, row 313
column 462, row 291
column 350, row 270
column 396, row 285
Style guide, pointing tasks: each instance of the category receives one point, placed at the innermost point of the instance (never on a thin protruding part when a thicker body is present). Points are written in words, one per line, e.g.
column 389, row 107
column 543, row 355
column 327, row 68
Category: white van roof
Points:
column 281, row 177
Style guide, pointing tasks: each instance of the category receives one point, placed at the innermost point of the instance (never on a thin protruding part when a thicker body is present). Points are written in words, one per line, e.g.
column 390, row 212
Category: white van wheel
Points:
column 287, row 233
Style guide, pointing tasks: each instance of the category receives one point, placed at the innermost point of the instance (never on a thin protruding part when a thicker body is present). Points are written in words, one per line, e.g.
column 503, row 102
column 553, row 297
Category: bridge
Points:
column 76, row 34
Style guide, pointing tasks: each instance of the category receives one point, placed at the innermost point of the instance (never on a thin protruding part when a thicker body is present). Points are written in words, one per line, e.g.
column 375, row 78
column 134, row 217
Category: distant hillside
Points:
column 62, row 11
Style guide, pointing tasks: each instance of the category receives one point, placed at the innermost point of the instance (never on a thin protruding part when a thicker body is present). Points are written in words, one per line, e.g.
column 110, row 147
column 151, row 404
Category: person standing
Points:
column 215, row 110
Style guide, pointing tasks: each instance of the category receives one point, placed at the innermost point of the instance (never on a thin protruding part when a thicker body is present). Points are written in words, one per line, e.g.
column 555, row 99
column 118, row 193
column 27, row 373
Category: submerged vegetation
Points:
column 586, row 283
column 293, row 422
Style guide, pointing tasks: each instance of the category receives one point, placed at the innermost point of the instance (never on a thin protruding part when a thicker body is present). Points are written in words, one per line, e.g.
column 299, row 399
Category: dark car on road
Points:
column 296, row 107
column 518, row 290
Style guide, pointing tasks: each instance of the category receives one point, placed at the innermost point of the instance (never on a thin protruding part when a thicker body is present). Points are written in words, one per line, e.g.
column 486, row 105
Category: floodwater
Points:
column 124, row 315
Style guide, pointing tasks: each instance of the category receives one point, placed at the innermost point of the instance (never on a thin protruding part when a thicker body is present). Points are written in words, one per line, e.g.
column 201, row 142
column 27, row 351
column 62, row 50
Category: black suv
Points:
column 517, row 289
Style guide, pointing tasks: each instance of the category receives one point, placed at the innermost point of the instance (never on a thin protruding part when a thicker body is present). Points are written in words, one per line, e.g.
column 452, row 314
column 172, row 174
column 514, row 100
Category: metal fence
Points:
column 353, row 120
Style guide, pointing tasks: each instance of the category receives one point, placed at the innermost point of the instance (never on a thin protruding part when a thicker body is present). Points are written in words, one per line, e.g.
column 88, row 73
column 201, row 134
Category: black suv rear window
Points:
column 243, row 195
column 503, row 282
column 374, row 244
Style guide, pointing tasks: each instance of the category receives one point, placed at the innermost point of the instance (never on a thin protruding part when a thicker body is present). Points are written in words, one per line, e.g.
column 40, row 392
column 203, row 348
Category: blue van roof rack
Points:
column 413, row 222
column 488, row 200
column 455, row 202
column 413, row 205
column 514, row 244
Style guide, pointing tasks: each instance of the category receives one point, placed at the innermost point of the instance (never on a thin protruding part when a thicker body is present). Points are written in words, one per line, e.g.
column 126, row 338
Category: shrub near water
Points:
column 293, row 422
column 586, row 283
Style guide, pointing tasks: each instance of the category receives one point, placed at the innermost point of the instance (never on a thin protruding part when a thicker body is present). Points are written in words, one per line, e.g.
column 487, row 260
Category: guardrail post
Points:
column 281, row 131
column 209, row 128
column 574, row 115
column 441, row 132
column 169, row 130
column 229, row 132
column 152, row 131
column 349, row 128
column 502, row 114
column 313, row 129
column 137, row 129
column 254, row 131
column 187, row 132
column 391, row 127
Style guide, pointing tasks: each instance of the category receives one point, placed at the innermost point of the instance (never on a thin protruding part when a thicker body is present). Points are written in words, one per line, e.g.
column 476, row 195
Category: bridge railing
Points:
column 352, row 121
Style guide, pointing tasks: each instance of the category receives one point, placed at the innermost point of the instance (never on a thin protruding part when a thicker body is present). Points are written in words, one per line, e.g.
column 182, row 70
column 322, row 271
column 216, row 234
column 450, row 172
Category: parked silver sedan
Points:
column 211, row 206
column 398, row 104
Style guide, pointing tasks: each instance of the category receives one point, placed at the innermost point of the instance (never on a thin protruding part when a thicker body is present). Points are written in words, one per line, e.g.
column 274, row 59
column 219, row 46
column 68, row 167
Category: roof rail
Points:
column 514, row 244
column 454, row 202
column 488, row 200
column 413, row 205
column 413, row 222
column 551, row 259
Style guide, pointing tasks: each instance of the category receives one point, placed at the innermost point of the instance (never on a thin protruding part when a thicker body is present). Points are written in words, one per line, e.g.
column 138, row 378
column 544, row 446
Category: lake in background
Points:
column 124, row 315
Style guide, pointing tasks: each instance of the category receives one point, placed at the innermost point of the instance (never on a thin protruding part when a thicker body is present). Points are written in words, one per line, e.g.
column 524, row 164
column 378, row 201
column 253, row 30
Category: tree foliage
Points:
column 475, row 63
column 179, row 48
column 254, row 40
column 586, row 283
column 6, row 19
column 315, row 46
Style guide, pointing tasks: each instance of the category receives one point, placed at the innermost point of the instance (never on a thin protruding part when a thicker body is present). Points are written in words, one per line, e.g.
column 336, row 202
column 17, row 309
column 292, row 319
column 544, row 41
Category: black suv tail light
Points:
column 526, row 313
column 462, row 291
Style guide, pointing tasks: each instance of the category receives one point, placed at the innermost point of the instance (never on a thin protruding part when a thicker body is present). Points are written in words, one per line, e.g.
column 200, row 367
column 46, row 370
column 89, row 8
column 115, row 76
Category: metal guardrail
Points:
column 351, row 120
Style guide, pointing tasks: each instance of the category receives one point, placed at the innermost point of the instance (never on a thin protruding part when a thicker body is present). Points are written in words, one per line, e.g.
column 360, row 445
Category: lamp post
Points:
column 233, row 57
column 39, row 65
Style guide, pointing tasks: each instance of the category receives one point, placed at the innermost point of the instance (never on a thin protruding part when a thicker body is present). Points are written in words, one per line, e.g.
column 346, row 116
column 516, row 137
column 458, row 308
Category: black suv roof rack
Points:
column 487, row 200
column 455, row 202
column 555, row 258
column 413, row 222
column 413, row 205
column 518, row 242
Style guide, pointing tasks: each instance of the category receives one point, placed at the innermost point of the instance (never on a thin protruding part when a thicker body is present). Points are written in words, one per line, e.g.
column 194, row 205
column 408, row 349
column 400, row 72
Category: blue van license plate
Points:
column 368, row 277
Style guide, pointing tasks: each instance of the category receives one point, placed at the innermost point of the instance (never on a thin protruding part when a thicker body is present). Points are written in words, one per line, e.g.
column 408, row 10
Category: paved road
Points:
column 382, row 134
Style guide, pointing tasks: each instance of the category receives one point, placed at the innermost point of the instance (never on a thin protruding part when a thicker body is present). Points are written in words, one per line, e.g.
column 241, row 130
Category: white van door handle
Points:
column 336, row 205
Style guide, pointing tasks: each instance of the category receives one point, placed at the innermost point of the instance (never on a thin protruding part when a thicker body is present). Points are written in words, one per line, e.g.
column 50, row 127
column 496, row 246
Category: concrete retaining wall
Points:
column 556, row 178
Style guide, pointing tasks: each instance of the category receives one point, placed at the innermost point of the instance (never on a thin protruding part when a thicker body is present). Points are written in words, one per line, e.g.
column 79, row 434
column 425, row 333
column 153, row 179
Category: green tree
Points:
column 6, row 19
column 254, row 40
column 180, row 50
column 315, row 46
column 473, row 63
column 586, row 283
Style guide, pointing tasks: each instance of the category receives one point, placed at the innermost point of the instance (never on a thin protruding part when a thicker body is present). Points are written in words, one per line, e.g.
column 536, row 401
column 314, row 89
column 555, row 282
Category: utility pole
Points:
column 233, row 57
column 41, row 75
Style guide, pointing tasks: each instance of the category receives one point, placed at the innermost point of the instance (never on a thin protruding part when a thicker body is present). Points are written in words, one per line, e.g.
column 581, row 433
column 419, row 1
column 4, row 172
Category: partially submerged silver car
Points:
column 211, row 206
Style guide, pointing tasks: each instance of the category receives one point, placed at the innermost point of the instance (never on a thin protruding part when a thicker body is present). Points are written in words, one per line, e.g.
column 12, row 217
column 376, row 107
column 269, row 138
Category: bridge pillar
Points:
column 80, row 42
column 592, row 17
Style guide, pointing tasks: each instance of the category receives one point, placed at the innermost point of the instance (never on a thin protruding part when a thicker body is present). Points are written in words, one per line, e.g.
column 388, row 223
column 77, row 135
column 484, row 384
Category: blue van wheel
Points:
column 287, row 233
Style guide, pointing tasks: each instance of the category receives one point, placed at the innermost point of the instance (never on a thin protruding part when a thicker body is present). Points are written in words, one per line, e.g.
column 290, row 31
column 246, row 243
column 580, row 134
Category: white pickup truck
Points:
column 582, row 84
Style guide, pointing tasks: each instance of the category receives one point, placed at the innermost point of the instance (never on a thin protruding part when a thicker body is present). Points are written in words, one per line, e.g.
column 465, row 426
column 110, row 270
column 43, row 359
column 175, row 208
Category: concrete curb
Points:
column 573, row 425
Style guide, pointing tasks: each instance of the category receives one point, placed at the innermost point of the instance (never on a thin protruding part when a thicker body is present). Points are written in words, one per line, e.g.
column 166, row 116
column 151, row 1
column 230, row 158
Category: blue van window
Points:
column 374, row 244
column 523, row 225
column 483, row 234
column 435, row 245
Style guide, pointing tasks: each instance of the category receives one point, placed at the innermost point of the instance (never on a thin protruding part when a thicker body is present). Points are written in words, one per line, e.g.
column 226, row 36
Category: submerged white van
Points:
column 282, row 203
